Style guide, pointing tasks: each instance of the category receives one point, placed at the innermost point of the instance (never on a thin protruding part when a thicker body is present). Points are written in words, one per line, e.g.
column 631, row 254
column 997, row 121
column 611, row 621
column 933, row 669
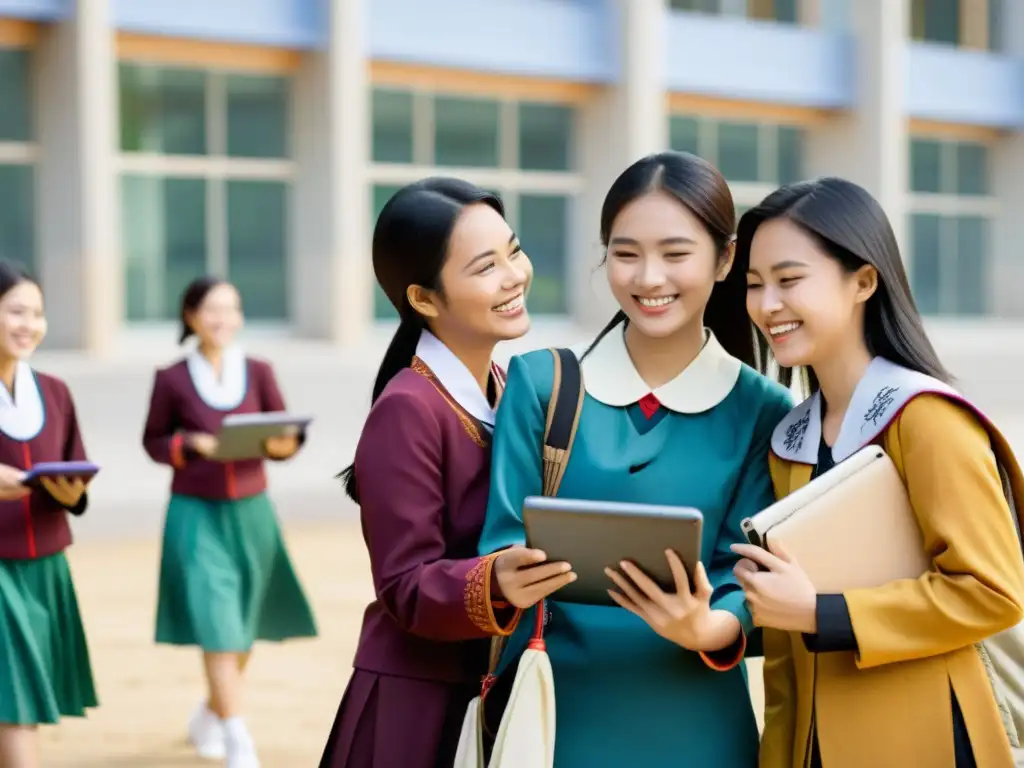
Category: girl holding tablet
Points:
column 448, row 261
column 225, row 576
column 674, row 415
column 917, row 672
column 45, row 673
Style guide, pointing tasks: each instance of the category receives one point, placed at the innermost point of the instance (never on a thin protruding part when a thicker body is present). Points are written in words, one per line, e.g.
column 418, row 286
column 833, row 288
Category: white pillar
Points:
column 868, row 143
column 331, row 292
column 626, row 122
column 80, row 248
column 1007, row 265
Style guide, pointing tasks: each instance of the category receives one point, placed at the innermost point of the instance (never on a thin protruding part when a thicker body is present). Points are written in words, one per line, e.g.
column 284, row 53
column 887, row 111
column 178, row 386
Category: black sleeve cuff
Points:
column 79, row 509
column 835, row 630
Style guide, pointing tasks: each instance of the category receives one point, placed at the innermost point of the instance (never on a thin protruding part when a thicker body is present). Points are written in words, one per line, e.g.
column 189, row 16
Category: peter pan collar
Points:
column 22, row 415
column 227, row 391
column 455, row 377
column 611, row 378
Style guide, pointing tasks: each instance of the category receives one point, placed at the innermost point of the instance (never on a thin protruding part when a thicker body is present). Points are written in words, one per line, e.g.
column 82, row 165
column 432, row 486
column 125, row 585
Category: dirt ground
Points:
column 147, row 692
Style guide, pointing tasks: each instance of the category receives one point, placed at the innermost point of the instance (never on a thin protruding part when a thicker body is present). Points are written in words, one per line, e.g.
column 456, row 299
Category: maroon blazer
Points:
column 422, row 468
column 37, row 525
column 176, row 409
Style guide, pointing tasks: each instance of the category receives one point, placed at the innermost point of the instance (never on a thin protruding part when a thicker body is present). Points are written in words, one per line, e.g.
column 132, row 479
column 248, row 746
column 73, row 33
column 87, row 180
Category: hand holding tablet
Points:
column 255, row 435
column 65, row 481
column 525, row 576
column 595, row 535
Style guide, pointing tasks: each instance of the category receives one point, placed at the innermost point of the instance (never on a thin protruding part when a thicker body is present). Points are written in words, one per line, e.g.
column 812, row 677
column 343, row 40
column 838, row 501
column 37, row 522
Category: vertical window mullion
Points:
column 216, row 194
column 947, row 265
column 423, row 128
column 508, row 135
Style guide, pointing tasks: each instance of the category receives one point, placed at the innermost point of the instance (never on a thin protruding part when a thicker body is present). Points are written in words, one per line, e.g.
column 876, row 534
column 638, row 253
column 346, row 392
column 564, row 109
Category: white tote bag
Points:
column 526, row 735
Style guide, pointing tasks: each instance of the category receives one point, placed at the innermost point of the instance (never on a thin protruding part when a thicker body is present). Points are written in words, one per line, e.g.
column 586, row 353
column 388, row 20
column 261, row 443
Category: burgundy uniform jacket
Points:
column 177, row 408
column 37, row 525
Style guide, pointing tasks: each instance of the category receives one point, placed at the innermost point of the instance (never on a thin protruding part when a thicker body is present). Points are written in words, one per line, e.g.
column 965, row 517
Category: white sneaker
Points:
column 241, row 751
column 206, row 734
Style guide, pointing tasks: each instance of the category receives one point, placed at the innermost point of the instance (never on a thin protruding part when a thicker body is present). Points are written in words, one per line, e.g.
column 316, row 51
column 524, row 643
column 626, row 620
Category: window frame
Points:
column 216, row 167
column 26, row 153
column 745, row 194
column 948, row 207
column 507, row 179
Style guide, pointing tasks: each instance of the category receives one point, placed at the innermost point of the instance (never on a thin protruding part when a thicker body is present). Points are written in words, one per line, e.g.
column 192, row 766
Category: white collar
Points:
column 226, row 392
column 880, row 395
column 455, row 377
column 611, row 378
column 22, row 416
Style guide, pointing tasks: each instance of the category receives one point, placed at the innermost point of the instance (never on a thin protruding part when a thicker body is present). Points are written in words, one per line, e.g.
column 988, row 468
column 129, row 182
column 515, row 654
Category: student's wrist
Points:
column 721, row 630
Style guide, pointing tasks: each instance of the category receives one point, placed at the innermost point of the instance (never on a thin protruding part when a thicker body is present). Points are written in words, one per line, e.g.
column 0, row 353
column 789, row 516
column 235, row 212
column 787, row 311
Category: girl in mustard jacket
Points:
column 917, row 673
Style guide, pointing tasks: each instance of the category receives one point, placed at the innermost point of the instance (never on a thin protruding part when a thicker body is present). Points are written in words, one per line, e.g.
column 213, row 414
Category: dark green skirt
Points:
column 225, row 577
column 44, row 660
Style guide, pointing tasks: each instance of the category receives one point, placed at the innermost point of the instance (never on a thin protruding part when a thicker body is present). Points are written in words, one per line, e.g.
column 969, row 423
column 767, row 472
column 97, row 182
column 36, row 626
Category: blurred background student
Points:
column 44, row 661
column 225, row 576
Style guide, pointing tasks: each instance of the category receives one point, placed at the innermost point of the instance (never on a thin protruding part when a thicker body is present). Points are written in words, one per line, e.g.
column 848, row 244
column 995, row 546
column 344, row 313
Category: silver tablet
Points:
column 592, row 535
column 242, row 434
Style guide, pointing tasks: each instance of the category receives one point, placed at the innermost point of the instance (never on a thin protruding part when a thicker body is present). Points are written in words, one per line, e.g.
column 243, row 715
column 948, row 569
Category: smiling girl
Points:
column 448, row 261
column 225, row 576
column 916, row 672
column 673, row 415
column 45, row 673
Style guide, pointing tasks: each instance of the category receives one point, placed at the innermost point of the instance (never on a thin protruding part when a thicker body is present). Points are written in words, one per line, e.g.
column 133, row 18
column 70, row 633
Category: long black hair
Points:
column 192, row 298
column 702, row 189
column 13, row 274
column 850, row 226
column 410, row 247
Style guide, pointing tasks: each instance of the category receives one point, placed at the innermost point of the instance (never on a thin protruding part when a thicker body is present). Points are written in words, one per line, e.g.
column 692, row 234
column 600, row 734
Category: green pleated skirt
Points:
column 225, row 577
column 45, row 672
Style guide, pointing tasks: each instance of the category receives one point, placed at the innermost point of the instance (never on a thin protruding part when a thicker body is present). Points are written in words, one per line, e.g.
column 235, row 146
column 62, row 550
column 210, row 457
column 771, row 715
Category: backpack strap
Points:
column 563, row 417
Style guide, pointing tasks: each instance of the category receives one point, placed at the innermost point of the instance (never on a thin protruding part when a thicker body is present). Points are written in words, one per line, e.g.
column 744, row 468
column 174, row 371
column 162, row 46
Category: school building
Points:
column 143, row 142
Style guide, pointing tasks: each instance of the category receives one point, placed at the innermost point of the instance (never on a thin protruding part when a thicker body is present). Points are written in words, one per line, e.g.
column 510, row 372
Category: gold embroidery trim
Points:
column 467, row 423
column 477, row 599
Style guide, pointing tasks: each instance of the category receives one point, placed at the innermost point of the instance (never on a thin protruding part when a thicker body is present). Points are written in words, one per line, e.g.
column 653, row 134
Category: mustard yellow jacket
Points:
column 889, row 704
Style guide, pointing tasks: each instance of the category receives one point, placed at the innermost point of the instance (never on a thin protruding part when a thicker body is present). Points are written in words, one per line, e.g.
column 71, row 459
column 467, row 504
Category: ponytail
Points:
column 726, row 316
column 619, row 319
column 399, row 356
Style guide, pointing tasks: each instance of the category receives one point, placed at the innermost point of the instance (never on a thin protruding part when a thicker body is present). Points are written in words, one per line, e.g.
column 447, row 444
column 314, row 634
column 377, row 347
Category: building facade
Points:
column 143, row 142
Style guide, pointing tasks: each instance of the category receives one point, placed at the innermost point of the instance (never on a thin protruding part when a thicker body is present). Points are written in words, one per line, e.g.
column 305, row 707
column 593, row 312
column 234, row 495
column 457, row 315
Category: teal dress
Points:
column 626, row 696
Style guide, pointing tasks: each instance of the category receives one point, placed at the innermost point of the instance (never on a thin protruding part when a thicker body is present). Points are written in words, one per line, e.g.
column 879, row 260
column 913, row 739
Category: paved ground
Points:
column 148, row 692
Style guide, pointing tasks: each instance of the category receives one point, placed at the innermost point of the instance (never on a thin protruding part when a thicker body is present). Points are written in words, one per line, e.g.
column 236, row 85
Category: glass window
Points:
column 786, row 11
column 926, row 238
column 700, row 6
column 970, row 277
column 738, row 151
column 392, row 126
column 17, row 214
column 935, row 21
column 971, row 169
column 684, row 134
column 466, row 132
column 925, row 166
column 382, row 307
column 165, row 243
column 163, row 110
column 543, row 233
column 791, row 154
column 545, row 137
column 16, row 95
column 257, row 116
column 258, row 246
